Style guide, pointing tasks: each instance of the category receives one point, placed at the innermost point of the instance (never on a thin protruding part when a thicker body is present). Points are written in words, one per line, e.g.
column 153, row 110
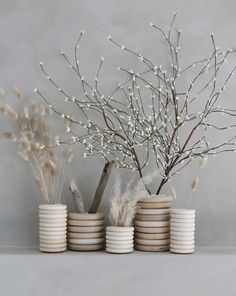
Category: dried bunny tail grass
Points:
column 44, row 127
column 23, row 122
column 47, row 140
column 23, row 155
column 203, row 162
column 35, row 147
column 26, row 113
column 194, row 184
column 9, row 111
column 24, row 143
column 70, row 158
column 34, row 121
column 18, row 92
column 42, row 110
column 39, row 183
column 173, row 192
column 29, row 135
column 9, row 136
column 34, row 107
column 2, row 93
column 52, row 166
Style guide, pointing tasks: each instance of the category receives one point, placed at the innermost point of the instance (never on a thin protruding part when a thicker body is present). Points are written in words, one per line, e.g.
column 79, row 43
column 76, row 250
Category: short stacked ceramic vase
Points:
column 152, row 224
column 52, row 228
column 86, row 232
column 182, row 229
column 119, row 240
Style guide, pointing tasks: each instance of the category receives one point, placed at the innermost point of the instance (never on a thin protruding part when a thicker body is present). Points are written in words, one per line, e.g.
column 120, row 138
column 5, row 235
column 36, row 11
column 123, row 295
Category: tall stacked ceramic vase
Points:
column 152, row 224
column 52, row 228
column 182, row 227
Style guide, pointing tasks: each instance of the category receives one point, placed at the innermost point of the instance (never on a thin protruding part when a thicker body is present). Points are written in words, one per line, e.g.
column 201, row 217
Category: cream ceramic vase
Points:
column 119, row 240
column 52, row 228
column 182, row 231
column 86, row 231
column 152, row 224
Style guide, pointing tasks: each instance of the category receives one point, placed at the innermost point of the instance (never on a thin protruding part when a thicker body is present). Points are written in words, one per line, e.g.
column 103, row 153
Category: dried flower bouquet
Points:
column 35, row 145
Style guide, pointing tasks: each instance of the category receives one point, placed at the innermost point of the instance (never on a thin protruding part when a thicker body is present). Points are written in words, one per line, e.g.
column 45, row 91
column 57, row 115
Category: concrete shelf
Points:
column 26, row 271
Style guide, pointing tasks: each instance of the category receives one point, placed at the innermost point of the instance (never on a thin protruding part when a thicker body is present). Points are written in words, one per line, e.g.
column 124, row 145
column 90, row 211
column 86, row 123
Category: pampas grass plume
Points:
column 9, row 111
column 202, row 162
column 18, row 92
column 195, row 183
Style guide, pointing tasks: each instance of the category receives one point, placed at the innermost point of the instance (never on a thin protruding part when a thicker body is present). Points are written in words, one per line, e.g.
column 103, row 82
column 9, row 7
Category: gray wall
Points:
column 34, row 30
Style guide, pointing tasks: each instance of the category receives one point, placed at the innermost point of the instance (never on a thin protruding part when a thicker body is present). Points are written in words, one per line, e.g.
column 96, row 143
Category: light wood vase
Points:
column 152, row 224
column 119, row 240
column 52, row 228
column 182, row 231
column 86, row 231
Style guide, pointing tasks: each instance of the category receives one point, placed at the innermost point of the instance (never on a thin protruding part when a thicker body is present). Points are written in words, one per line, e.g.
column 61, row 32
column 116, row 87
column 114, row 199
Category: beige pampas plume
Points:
column 42, row 110
column 39, row 183
column 34, row 121
column 26, row 112
column 9, row 111
column 23, row 155
column 24, row 144
column 47, row 140
column 51, row 165
column 10, row 136
column 34, row 107
column 36, row 147
column 18, row 92
column 2, row 93
column 70, row 158
column 194, row 184
column 173, row 192
column 203, row 162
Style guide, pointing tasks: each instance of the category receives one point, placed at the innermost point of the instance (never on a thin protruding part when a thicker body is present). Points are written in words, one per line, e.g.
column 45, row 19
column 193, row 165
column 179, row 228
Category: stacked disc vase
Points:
column 152, row 224
column 52, row 228
column 119, row 240
column 182, row 231
column 86, row 232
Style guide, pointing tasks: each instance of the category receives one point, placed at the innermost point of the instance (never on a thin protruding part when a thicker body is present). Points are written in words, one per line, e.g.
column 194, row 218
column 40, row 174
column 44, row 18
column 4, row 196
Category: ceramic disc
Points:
column 182, row 247
column 119, row 251
column 151, row 236
column 55, row 250
column 86, row 247
column 86, row 235
column 86, row 216
column 124, row 242
column 183, row 211
column 154, row 205
column 152, row 223
column 85, row 229
column 52, row 207
column 120, row 234
column 85, row 223
column 119, row 229
column 86, row 241
column 139, row 217
column 178, row 251
column 152, row 248
column 157, row 198
column 153, row 211
column 119, row 238
column 152, row 229
column 152, row 242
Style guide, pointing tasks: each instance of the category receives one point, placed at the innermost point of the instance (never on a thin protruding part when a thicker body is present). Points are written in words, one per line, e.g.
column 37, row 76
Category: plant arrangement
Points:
column 161, row 115
column 124, row 202
column 35, row 145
